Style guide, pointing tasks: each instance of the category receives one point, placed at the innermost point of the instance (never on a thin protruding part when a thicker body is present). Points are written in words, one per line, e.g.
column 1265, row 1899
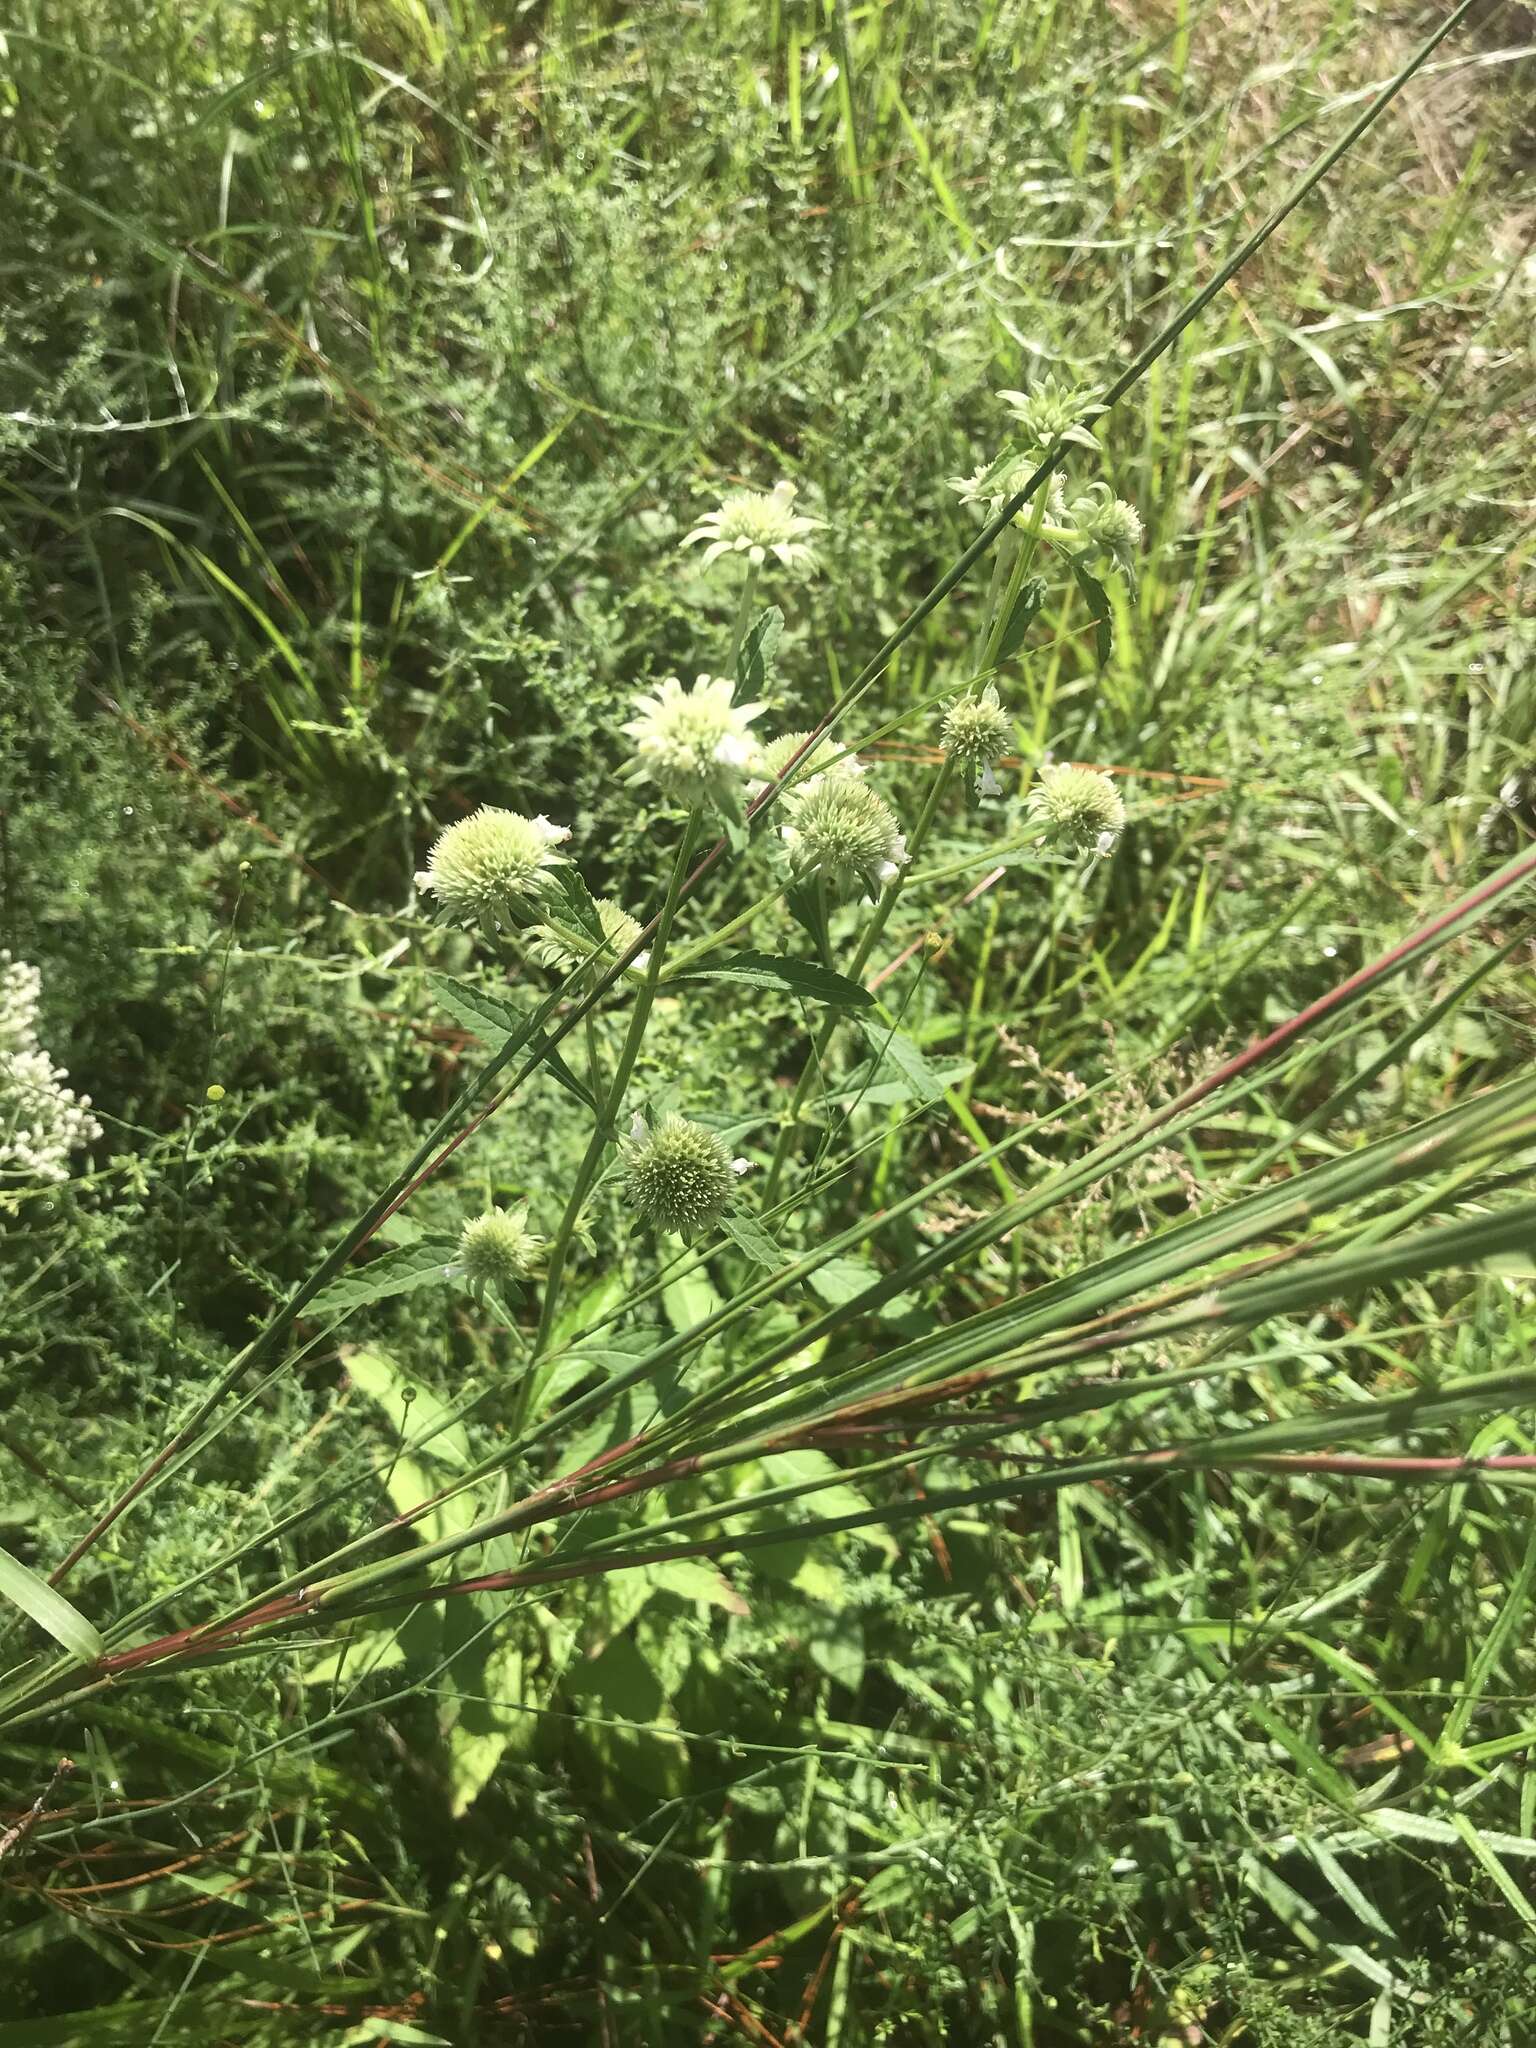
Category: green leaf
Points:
column 749, row 1236
column 802, row 978
column 400, row 1271
column 1026, row 608
column 840, row 1280
column 758, row 645
column 494, row 1020
column 924, row 1081
column 50, row 1610
column 1098, row 605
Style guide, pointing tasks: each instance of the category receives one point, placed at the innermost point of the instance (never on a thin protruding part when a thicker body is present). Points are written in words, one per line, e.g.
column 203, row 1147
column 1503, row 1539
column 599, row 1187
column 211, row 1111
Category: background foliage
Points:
column 361, row 368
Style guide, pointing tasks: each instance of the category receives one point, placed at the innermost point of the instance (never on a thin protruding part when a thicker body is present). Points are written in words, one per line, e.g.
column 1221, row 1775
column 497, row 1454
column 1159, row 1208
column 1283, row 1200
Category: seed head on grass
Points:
column 498, row 1250
column 492, row 865
column 677, row 1174
column 693, row 744
column 841, row 831
column 1080, row 807
column 757, row 524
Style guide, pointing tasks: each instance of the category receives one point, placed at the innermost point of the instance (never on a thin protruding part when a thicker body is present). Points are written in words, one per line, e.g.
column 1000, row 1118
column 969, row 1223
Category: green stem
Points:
column 712, row 940
column 871, row 934
column 602, row 1136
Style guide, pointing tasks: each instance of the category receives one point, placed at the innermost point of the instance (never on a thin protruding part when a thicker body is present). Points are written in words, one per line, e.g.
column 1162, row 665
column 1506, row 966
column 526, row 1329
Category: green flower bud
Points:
column 490, row 864
column 677, row 1175
column 1051, row 412
column 498, row 1249
column 1080, row 806
column 977, row 731
column 827, row 757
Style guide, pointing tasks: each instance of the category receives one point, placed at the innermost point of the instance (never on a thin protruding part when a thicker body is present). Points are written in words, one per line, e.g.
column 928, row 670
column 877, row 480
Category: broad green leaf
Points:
column 1099, row 607
column 488, row 1717
column 749, row 1236
column 494, row 1020
column 49, row 1609
column 841, row 1279
column 689, row 1578
column 758, row 645
column 896, row 1053
column 805, row 979
column 400, row 1271
column 836, row 1647
column 1026, row 608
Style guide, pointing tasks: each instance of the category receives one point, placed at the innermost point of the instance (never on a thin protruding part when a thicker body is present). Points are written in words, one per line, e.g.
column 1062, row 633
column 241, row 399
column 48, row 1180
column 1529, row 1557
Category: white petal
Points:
column 741, row 1166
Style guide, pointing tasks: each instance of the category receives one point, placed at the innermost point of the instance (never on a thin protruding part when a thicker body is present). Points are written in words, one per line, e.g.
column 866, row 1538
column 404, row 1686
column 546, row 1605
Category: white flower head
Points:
column 693, row 744
column 842, row 831
column 758, row 524
column 492, row 865
column 825, row 758
column 1079, row 806
column 677, row 1176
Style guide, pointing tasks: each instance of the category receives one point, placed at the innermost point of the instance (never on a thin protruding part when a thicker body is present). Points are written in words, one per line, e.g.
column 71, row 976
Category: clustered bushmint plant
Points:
column 700, row 748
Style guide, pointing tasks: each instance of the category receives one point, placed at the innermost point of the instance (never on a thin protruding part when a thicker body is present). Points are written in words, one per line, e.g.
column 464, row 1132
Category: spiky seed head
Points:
column 498, row 1249
column 492, row 865
column 825, row 758
column 757, row 524
column 977, row 731
column 563, row 948
column 1080, row 807
column 677, row 1174
column 842, row 831
column 693, row 744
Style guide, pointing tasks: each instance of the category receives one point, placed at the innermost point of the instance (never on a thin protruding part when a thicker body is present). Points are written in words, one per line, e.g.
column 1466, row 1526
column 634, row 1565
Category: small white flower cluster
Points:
column 41, row 1121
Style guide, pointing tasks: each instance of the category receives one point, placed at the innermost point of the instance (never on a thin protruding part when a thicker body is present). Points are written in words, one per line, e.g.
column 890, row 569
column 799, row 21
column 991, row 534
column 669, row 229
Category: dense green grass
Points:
column 361, row 370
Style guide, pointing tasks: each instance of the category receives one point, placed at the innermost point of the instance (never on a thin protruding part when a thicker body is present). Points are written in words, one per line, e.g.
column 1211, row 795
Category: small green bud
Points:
column 558, row 946
column 498, row 1250
column 977, row 730
column 1079, row 806
column 677, row 1174
column 213, row 1092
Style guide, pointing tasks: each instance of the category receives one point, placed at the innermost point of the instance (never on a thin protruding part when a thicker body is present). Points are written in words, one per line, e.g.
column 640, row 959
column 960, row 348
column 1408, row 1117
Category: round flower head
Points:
column 757, row 524
column 1051, row 412
column 693, row 743
column 1079, row 805
column 677, row 1175
column 498, row 1249
column 825, row 758
column 491, row 864
column 977, row 730
column 842, row 831
column 563, row 948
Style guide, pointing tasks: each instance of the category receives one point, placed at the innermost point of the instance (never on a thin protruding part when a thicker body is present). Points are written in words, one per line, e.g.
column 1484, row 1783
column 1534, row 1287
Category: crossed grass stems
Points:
column 952, row 1393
